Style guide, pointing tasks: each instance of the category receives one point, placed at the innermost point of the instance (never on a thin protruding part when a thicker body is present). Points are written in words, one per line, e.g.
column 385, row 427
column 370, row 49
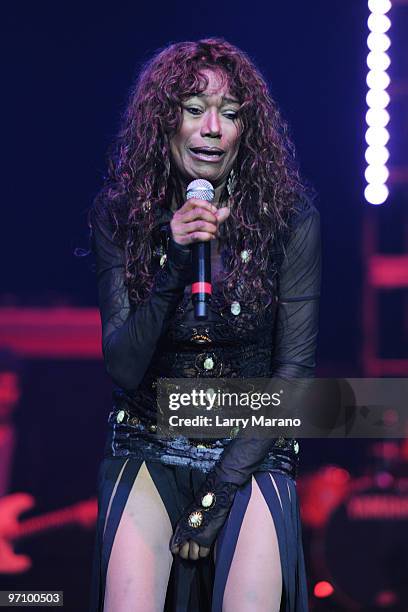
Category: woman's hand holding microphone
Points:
column 197, row 221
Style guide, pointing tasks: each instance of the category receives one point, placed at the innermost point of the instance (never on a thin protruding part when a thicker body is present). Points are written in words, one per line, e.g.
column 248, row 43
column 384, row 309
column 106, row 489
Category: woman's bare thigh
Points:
column 255, row 577
column 140, row 560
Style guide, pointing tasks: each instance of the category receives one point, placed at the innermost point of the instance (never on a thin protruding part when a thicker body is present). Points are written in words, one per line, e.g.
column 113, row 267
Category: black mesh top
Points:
column 160, row 338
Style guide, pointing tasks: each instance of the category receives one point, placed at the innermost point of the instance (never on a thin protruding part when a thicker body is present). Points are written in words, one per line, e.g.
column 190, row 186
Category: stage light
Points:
column 377, row 98
column 377, row 60
column 377, row 136
column 378, row 42
column 323, row 589
column 377, row 156
column 379, row 6
column 377, row 116
column 376, row 174
column 378, row 79
column 378, row 23
column 376, row 193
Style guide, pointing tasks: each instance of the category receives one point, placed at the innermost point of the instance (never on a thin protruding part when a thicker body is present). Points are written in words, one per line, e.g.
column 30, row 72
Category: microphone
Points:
column 201, row 287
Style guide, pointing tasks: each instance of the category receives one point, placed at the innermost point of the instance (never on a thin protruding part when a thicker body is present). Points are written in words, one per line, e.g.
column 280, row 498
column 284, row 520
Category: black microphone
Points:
column 201, row 287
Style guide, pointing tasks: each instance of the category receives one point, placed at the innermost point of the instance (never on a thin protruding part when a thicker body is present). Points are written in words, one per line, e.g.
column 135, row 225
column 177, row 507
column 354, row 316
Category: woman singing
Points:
column 182, row 525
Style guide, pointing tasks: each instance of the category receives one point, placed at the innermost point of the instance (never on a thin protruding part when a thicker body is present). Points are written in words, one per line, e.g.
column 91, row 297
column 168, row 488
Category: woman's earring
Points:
column 231, row 182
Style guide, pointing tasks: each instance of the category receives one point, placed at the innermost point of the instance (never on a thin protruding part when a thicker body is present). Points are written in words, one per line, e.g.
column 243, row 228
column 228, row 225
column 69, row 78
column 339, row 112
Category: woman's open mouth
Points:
column 207, row 154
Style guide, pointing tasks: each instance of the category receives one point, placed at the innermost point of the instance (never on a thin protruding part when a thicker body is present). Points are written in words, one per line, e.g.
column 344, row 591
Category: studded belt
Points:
column 124, row 417
column 130, row 437
column 216, row 362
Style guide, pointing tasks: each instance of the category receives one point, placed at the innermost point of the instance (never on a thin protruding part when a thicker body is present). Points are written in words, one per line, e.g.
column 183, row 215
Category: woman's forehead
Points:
column 218, row 85
column 220, row 95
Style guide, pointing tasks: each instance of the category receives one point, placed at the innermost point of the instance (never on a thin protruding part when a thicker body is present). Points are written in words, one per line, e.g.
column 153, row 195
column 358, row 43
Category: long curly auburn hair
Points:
column 141, row 180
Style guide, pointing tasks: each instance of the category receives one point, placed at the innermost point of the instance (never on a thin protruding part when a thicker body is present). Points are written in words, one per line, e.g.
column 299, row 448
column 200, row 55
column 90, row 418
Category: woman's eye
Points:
column 193, row 110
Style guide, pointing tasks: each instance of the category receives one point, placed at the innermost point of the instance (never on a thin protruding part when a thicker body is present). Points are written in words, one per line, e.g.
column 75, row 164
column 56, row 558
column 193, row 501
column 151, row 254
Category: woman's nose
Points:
column 211, row 125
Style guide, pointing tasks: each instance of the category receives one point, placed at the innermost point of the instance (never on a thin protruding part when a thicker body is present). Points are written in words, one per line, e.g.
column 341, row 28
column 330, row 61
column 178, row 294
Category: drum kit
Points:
column 357, row 529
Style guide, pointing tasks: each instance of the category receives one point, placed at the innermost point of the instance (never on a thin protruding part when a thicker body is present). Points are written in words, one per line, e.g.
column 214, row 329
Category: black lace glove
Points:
column 202, row 521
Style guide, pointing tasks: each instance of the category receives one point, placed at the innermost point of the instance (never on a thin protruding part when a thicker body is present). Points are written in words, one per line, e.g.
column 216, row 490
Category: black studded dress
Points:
column 161, row 339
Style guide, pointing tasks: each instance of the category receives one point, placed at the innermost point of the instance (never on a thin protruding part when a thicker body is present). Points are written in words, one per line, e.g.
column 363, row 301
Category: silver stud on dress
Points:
column 208, row 363
column 208, row 500
column 163, row 260
column 235, row 308
column 245, row 255
column 195, row 519
column 296, row 446
column 120, row 416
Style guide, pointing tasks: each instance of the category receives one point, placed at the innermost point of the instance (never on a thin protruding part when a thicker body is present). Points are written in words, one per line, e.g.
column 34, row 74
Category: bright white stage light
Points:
column 377, row 156
column 378, row 79
column 377, row 98
column 379, row 6
column 377, row 136
column 376, row 193
column 378, row 42
column 378, row 60
column 376, row 174
column 377, row 117
column 378, row 23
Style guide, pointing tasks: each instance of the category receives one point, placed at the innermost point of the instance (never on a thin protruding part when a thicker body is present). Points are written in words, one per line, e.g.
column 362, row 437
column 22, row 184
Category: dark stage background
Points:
column 67, row 73
column 68, row 76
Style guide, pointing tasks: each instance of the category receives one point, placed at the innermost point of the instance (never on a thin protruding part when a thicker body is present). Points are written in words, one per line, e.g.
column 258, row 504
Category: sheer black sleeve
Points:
column 295, row 335
column 130, row 335
column 299, row 292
